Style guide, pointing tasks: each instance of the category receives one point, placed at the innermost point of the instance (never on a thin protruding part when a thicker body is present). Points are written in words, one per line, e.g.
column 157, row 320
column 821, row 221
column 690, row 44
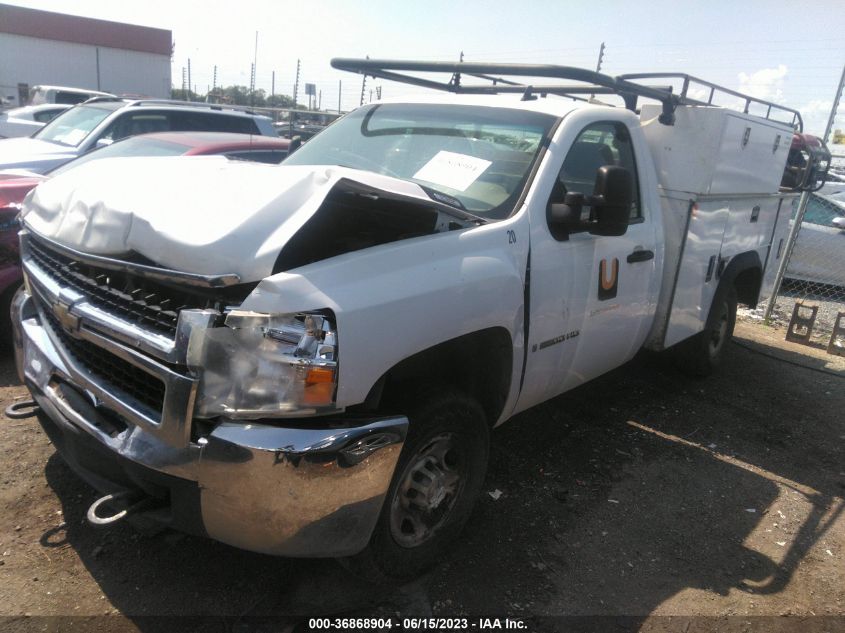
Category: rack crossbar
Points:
column 625, row 86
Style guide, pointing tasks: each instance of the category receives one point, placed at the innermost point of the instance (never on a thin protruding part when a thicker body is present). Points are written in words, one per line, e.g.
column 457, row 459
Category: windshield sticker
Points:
column 72, row 137
column 456, row 171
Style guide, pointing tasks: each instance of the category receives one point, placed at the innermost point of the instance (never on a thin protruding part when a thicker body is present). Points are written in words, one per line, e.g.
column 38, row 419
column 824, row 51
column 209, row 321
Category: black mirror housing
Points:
column 565, row 218
column 611, row 200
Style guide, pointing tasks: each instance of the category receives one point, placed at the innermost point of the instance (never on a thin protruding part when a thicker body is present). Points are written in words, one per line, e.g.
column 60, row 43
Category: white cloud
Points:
column 816, row 106
column 766, row 83
column 816, row 113
column 697, row 93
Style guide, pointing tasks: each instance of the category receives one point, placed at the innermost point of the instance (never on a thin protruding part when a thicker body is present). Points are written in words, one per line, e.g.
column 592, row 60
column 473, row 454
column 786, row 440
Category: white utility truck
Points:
column 307, row 359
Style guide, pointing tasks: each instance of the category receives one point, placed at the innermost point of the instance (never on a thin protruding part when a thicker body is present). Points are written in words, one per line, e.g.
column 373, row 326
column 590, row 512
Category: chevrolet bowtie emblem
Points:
column 69, row 322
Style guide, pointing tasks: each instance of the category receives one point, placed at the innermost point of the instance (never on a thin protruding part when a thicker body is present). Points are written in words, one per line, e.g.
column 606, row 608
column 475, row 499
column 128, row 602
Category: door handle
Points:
column 640, row 255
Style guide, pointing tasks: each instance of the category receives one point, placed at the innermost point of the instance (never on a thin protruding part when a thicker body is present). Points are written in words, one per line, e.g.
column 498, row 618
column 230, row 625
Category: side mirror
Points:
column 565, row 218
column 103, row 142
column 611, row 201
column 295, row 144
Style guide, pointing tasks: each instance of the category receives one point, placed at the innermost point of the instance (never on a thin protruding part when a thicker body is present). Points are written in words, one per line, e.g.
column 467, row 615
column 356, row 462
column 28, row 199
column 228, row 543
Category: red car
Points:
column 14, row 185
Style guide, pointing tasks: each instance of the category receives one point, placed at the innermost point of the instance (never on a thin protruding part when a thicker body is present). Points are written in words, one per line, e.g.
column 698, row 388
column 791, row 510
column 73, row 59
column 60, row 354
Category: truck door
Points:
column 592, row 297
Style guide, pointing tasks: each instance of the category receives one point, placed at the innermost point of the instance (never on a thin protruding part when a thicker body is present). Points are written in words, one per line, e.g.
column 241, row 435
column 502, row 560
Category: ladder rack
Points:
column 591, row 83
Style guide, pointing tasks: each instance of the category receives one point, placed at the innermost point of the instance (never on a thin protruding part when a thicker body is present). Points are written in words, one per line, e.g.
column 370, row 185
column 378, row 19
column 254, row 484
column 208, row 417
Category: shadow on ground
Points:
column 615, row 498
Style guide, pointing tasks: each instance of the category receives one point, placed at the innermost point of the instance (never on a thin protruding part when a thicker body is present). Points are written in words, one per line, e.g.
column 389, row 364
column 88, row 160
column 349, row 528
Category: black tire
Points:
column 702, row 354
column 445, row 454
column 6, row 319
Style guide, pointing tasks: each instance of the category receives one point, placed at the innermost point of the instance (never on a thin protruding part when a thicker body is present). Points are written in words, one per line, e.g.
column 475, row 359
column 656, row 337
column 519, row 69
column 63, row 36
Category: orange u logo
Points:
column 608, row 283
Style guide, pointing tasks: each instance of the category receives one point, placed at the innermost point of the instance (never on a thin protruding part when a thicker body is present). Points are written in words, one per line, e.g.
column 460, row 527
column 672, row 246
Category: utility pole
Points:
column 296, row 84
column 598, row 64
column 184, row 81
column 835, row 107
column 255, row 62
column 252, row 84
column 319, row 99
column 363, row 86
column 189, row 78
column 273, row 84
column 214, row 81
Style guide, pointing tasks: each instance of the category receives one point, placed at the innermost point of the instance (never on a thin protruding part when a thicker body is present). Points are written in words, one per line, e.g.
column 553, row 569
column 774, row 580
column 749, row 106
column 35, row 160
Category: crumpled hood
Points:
column 33, row 154
column 205, row 215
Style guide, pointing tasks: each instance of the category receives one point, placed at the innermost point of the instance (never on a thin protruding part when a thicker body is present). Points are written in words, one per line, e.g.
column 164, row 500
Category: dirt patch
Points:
column 642, row 494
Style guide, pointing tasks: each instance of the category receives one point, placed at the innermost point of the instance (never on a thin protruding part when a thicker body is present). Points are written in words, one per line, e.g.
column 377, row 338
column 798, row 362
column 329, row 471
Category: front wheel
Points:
column 702, row 354
column 437, row 480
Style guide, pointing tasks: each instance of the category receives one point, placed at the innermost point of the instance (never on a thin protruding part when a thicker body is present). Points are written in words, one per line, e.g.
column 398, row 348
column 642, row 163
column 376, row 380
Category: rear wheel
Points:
column 437, row 480
column 702, row 354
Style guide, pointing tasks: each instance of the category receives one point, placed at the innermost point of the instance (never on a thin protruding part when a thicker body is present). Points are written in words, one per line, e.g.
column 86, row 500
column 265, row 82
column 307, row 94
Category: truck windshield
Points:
column 71, row 127
column 479, row 157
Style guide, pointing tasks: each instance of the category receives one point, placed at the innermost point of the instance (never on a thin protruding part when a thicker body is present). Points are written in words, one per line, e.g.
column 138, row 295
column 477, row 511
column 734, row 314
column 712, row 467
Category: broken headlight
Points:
column 265, row 365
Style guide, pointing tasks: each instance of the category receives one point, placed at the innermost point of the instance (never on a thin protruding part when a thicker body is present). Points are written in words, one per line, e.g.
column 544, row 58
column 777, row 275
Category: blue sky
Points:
column 789, row 52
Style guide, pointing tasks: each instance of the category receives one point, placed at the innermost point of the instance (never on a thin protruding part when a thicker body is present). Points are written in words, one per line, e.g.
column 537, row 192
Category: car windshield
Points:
column 822, row 211
column 70, row 128
column 133, row 146
column 478, row 158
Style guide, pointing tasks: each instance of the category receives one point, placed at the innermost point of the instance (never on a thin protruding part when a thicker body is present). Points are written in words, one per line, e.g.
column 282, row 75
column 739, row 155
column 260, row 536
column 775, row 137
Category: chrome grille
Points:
column 110, row 370
column 142, row 302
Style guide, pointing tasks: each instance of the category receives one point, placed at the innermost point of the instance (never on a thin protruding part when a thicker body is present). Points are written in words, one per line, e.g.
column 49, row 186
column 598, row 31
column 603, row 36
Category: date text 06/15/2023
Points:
column 415, row 624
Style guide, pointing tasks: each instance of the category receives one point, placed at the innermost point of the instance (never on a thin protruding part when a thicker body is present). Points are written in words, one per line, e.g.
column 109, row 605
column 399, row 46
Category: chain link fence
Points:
column 815, row 271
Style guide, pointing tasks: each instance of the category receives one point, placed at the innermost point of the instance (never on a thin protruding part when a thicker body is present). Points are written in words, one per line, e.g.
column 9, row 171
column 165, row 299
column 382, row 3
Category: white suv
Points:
column 103, row 120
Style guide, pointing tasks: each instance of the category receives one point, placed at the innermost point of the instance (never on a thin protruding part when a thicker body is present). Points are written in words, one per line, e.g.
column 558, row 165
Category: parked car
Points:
column 102, row 121
column 15, row 184
column 24, row 121
column 10, row 264
column 819, row 253
column 63, row 94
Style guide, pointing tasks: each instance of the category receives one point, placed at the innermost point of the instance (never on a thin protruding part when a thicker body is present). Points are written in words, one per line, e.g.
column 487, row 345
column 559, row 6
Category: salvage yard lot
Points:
column 641, row 494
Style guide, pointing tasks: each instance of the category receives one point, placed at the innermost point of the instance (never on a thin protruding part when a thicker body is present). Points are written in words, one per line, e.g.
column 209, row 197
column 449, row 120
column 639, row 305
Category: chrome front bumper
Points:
column 300, row 491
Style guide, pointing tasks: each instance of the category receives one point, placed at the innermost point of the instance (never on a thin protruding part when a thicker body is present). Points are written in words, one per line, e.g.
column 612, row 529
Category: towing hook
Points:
column 21, row 410
column 131, row 502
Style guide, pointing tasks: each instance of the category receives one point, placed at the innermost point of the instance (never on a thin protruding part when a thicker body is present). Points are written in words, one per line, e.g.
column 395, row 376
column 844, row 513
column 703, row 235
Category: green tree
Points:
column 238, row 95
column 185, row 95
column 282, row 101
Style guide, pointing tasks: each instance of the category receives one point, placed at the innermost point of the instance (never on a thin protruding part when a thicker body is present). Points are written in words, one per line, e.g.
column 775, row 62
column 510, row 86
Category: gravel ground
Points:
column 828, row 309
column 641, row 501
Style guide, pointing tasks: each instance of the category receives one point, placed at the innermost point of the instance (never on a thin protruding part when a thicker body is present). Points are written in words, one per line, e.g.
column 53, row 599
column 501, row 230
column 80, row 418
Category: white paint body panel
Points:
column 237, row 226
column 714, row 166
column 564, row 279
column 395, row 300
column 706, row 151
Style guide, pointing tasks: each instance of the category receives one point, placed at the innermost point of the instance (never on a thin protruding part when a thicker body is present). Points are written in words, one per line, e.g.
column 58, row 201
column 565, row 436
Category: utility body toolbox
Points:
column 718, row 172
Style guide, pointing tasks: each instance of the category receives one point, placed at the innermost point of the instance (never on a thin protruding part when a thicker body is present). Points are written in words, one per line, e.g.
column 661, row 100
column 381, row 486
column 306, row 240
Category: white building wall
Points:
column 39, row 61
